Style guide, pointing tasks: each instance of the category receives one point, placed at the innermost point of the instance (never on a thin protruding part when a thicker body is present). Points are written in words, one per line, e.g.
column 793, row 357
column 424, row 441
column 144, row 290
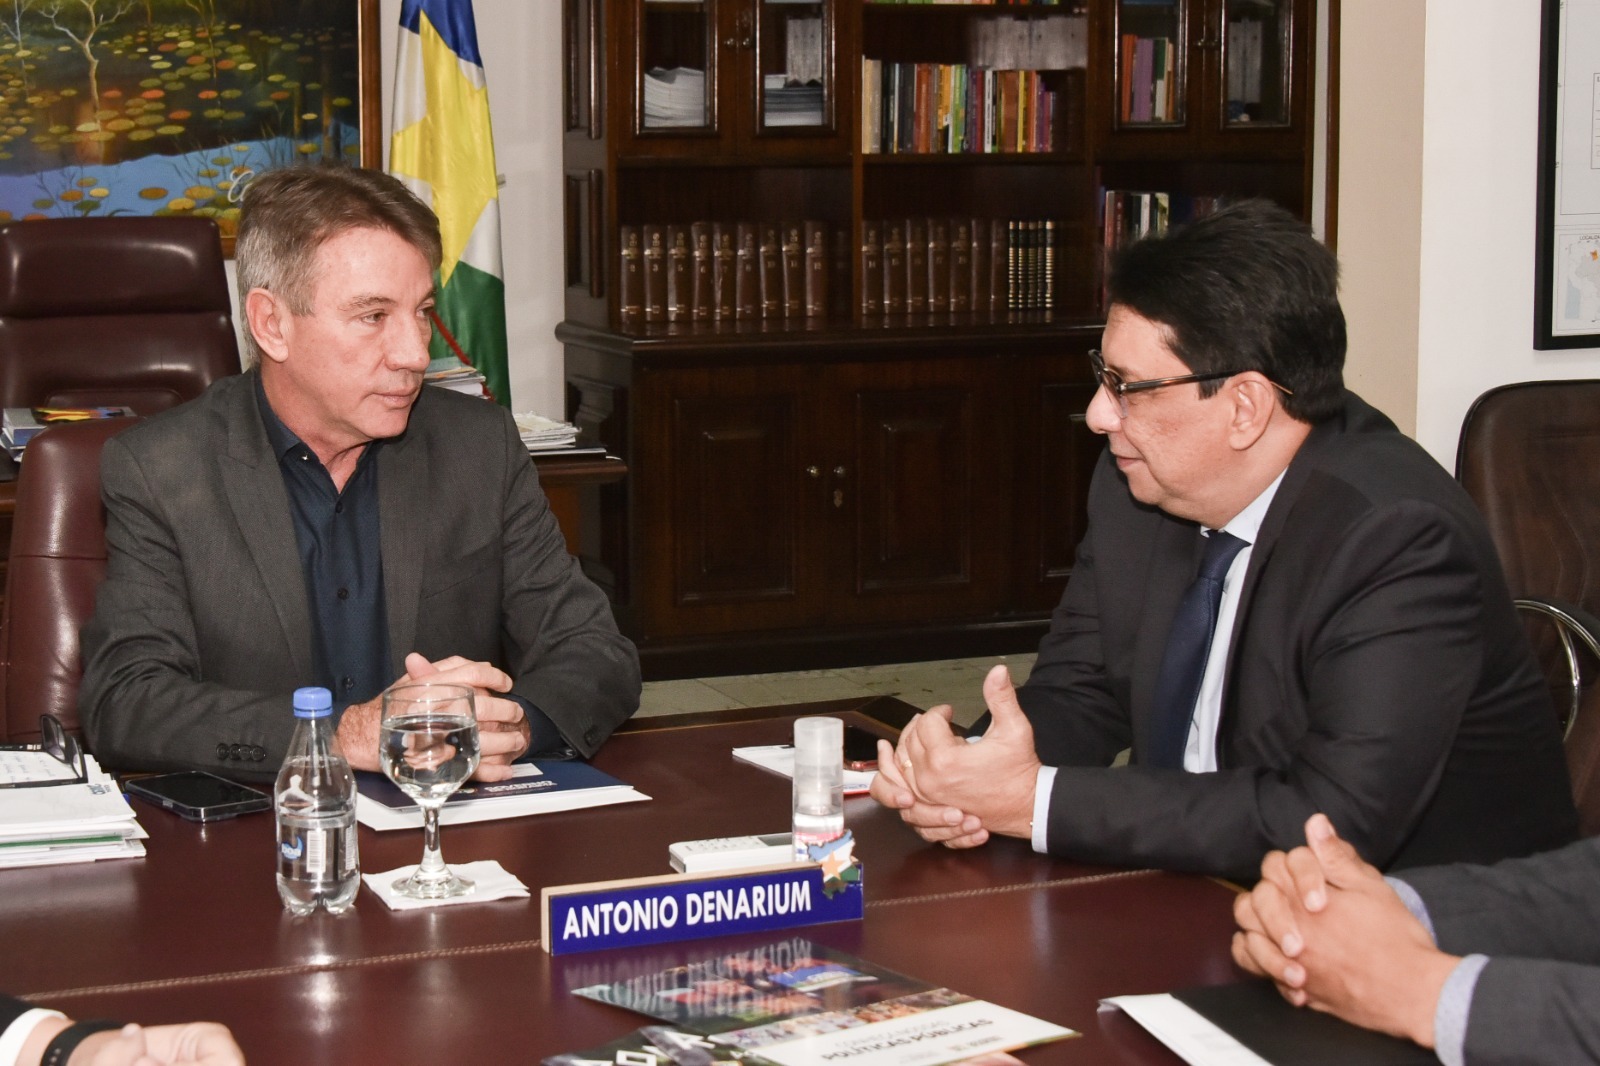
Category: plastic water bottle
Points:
column 315, row 800
column 818, row 793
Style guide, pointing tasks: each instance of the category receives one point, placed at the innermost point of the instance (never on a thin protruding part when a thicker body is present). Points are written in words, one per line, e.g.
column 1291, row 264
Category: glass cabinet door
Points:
column 677, row 64
column 1150, row 50
column 794, row 64
column 1255, row 59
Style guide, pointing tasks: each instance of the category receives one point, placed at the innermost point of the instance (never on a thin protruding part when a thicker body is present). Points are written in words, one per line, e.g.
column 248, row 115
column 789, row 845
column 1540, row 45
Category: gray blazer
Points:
column 201, row 630
column 1538, row 919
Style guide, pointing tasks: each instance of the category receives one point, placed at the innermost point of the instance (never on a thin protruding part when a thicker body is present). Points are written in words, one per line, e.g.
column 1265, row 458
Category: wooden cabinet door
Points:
column 726, row 530
column 715, row 79
column 916, row 503
column 1056, row 456
column 1228, row 79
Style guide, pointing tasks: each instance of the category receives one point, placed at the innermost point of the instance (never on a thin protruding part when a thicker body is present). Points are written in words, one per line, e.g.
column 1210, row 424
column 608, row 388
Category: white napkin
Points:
column 492, row 880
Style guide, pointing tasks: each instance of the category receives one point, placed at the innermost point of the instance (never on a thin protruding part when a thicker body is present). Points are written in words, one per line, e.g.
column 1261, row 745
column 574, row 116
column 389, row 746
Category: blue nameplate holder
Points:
column 663, row 910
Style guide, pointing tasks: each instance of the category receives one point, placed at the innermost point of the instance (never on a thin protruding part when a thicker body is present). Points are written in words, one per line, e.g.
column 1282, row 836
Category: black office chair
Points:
column 1529, row 456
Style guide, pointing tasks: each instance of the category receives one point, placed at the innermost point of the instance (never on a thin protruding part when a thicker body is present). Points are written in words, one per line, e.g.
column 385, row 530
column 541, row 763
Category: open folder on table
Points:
column 534, row 788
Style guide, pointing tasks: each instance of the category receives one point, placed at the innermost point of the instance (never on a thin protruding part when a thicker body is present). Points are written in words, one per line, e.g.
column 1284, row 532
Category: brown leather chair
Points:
column 1530, row 457
column 126, row 311
column 58, row 559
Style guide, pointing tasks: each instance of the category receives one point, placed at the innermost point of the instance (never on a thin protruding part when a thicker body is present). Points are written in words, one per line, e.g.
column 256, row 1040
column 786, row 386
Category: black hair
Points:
column 1247, row 287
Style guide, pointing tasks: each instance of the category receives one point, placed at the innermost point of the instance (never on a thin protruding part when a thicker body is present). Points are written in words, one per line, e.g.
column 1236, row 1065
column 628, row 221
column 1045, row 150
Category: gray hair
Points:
column 290, row 212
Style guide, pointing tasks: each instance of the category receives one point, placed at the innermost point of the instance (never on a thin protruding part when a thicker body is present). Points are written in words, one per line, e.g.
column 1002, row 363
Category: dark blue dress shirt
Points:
column 341, row 556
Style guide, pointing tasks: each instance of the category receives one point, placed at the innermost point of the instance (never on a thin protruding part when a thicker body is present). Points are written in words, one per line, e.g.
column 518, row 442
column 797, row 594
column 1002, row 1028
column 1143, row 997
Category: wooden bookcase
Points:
column 856, row 486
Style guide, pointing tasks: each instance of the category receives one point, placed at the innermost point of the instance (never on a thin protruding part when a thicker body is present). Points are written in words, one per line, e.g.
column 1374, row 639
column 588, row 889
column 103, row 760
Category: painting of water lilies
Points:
column 170, row 107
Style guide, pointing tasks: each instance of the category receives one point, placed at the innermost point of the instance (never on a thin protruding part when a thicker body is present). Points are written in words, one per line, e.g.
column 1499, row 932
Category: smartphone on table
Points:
column 199, row 796
column 860, row 749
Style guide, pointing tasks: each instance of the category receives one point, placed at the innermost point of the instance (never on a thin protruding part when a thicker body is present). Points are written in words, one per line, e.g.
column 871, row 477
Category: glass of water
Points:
column 429, row 746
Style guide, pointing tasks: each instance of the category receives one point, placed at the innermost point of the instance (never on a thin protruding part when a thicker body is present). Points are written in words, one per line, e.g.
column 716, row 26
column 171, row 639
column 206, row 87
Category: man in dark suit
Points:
column 1484, row 964
column 31, row 1035
column 325, row 519
column 1354, row 650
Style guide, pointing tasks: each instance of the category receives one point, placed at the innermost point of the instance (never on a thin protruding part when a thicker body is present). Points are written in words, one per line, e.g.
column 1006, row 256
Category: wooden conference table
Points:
column 195, row 929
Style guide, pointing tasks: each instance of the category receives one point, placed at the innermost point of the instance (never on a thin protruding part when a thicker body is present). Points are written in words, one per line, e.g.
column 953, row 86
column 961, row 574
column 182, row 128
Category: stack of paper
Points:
column 540, row 434
column 455, row 375
column 675, row 97
column 779, row 759
column 53, row 824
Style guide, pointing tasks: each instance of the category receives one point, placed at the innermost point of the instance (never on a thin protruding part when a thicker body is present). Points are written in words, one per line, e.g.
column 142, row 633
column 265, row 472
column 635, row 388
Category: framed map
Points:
column 170, row 107
column 1567, row 270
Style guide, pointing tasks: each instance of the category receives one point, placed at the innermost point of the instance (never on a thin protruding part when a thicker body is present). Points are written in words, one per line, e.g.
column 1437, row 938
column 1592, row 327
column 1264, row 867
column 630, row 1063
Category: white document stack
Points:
column 63, row 823
column 541, row 434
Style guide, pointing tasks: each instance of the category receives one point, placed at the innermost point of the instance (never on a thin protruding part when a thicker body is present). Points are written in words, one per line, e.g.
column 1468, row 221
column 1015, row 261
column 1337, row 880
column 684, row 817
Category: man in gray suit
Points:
column 325, row 519
column 1484, row 964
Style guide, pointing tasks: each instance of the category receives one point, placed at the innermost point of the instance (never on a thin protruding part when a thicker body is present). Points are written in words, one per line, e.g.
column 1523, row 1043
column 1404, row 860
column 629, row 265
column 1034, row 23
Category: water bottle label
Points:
column 316, row 852
column 291, row 848
column 352, row 860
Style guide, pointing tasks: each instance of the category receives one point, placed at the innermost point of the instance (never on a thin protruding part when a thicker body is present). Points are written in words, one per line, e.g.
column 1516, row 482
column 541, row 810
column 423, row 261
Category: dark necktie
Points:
column 1183, row 664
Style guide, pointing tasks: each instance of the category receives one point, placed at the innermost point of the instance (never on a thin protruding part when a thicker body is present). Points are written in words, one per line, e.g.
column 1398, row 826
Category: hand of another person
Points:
column 1327, row 928
column 936, row 824
column 994, row 778
column 503, row 730
column 197, row 1042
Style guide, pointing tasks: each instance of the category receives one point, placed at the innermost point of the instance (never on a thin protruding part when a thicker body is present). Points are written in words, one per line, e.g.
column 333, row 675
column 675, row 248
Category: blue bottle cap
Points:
column 312, row 703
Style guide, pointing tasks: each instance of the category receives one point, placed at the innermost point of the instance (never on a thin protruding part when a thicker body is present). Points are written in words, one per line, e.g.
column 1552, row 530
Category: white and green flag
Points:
column 443, row 150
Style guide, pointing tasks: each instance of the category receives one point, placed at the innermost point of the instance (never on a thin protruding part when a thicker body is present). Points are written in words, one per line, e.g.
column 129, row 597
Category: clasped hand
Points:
column 956, row 793
column 503, row 730
column 1334, row 936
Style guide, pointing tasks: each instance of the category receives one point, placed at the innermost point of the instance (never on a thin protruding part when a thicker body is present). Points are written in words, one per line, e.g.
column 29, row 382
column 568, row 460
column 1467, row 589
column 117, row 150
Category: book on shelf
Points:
column 871, row 269
column 792, row 248
column 816, row 269
column 894, row 267
column 939, row 264
column 680, row 275
column 840, row 291
column 630, row 278
column 1149, row 79
column 954, row 108
column 916, row 265
column 747, row 273
column 720, row 271
column 724, row 269
column 999, row 264
column 960, row 265
column 771, row 271
column 702, row 281
column 655, row 273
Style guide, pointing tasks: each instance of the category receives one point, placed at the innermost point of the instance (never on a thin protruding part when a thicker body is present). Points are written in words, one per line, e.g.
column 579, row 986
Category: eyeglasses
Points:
column 54, row 740
column 1118, row 388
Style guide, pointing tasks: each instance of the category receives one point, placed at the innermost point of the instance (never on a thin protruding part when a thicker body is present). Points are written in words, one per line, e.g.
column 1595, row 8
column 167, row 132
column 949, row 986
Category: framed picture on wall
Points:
column 170, row 107
column 1567, row 271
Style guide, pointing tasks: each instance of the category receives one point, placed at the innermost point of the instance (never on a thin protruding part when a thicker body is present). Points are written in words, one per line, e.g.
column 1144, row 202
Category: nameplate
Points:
column 662, row 910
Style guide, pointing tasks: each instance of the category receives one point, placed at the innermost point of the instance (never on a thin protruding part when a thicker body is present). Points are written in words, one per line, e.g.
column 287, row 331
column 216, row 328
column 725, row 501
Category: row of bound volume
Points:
column 711, row 271
column 913, row 265
column 953, row 107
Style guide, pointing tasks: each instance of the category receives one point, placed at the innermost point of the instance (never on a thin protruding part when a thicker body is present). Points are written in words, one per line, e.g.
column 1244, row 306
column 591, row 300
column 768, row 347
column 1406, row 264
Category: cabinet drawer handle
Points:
column 813, row 471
